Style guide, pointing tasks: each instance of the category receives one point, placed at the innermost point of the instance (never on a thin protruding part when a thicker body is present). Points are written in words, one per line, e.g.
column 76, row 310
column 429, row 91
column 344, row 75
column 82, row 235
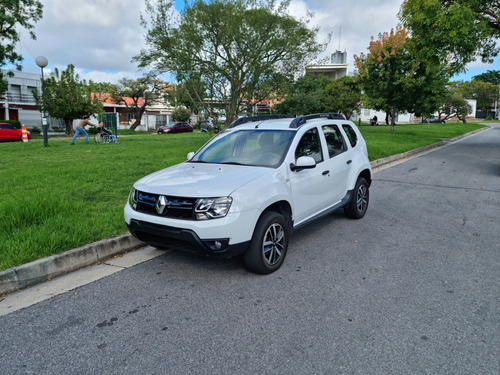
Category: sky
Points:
column 100, row 37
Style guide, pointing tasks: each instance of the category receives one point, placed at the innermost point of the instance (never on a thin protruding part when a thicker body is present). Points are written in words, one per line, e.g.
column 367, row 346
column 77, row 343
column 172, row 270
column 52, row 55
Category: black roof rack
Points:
column 301, row 120
column 244, row 120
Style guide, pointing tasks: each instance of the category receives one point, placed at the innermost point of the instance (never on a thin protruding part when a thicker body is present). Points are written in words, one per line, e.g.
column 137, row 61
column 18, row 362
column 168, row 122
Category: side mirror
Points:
column 304, row 162
column 190, row 155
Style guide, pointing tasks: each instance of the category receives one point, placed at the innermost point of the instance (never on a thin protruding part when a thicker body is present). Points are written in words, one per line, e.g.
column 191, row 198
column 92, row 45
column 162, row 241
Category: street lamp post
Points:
column 42, row 62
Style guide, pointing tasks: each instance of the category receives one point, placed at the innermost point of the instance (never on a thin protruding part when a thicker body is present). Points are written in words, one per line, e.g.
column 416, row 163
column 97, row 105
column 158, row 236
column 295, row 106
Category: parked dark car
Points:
column 175, row 127
column 435, row 120
column 10, row 133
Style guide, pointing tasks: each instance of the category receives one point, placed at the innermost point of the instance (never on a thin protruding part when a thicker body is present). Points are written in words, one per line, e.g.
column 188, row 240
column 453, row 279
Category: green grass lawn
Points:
column 59, row 197
column 383, row 143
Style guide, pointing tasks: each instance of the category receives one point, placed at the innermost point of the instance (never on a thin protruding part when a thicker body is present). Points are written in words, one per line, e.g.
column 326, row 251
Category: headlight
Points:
column 132, row 198
column 212, row 208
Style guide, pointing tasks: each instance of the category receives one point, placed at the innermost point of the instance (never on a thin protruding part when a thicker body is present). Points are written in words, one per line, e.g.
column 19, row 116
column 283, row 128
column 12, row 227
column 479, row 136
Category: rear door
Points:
column 339, row 162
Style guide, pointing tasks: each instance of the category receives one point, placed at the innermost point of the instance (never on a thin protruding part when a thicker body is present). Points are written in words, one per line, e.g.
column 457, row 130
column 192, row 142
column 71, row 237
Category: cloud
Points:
column 100, row 37
column 350, row 23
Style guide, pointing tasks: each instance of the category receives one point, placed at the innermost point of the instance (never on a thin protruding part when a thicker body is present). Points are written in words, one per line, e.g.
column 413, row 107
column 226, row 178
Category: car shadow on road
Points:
column 188, row 262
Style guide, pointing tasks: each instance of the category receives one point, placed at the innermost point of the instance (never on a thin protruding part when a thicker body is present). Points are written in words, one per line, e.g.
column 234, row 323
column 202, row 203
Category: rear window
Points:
column 351, row 134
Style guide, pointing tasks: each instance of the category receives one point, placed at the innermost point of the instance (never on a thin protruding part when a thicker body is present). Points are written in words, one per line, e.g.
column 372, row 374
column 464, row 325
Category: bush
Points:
column 488, row 118
column 181, row 114
column 35, row 130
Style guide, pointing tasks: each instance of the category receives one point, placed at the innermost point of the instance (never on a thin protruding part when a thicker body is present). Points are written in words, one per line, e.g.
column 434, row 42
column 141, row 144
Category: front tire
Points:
column 269, row 244
column 358, row 204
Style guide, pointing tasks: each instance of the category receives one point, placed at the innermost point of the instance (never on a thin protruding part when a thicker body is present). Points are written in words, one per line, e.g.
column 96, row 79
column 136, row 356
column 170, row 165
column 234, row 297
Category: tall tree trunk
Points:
column 138, row 117
column 68, row 122
column 393, row 116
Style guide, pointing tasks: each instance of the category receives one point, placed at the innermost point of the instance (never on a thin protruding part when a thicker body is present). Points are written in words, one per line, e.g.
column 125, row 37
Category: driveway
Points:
column 412, row 288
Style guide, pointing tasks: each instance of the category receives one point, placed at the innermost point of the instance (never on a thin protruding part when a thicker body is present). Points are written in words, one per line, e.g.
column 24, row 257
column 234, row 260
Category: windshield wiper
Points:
column 232, row 163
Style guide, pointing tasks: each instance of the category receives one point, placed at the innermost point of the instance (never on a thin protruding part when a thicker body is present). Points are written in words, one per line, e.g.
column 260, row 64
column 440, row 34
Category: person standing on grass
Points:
column 80, row 128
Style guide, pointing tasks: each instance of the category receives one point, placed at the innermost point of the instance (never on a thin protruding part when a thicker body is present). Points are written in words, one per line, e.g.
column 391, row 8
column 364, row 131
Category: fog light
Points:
column 217, row 245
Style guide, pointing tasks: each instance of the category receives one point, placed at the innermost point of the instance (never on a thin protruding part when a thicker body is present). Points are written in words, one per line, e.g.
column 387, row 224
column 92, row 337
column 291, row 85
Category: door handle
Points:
column 349, row 161
column 325, row 173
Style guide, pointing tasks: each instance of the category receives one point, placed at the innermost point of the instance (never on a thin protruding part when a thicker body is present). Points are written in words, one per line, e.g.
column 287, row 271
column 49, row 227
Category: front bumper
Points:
column 185, row 240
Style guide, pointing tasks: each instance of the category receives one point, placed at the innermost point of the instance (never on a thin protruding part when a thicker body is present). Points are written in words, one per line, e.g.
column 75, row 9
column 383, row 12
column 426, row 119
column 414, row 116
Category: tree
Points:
column 484, row 93
column 13, row 13
column 343, row 95
column 68, row 98
column 181, row 114
column 395, row 80
column 303, row 96
column 240, row 49
column 453, row 31
column 182, row 94
column 491, row 76
column 454, row 103
column 319, row 94
column 142, row 92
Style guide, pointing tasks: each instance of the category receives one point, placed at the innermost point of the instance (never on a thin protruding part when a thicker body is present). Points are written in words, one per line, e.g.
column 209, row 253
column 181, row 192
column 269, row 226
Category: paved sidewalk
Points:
column 72, row 280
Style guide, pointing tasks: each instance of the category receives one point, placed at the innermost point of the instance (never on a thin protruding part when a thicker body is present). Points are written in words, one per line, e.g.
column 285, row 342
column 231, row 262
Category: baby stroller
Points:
column 104, row 136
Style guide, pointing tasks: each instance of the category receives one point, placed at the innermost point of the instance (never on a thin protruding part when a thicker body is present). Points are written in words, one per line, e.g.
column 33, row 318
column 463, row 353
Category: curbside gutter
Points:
column 55, row 265
column 47, row 268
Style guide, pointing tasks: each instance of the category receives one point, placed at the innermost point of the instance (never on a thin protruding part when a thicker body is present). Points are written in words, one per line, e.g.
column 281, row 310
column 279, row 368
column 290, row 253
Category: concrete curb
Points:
column 47, row 268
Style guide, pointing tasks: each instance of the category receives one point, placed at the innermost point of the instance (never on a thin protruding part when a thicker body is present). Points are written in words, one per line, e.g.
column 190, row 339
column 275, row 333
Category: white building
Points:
column 337, row 67
column 18, row 102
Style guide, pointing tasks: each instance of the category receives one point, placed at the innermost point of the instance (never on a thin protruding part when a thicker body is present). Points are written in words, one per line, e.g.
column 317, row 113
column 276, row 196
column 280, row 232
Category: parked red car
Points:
column 10, row 133
column 175, row 127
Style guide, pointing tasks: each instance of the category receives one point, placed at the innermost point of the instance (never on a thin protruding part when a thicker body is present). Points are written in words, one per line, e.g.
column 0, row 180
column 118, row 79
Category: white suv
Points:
column 251, row 185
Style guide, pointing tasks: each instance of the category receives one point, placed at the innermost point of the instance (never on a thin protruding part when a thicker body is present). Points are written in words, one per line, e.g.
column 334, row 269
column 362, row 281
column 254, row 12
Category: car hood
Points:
column 200, row 180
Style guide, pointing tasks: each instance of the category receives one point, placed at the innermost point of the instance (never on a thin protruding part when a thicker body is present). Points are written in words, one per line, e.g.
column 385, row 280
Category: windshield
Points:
column 247, row 147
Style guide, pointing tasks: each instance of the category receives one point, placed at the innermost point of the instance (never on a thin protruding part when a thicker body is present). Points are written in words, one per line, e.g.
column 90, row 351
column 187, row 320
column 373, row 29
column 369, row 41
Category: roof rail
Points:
column 244, row 120
column 301, row 120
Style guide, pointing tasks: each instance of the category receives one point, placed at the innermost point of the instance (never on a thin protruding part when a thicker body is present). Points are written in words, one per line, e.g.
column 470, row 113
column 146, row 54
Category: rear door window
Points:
column 334, row 140
column 351, row 134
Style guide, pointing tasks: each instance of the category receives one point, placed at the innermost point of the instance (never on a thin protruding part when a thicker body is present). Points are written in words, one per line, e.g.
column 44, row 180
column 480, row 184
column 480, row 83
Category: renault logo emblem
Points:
column 161, row 204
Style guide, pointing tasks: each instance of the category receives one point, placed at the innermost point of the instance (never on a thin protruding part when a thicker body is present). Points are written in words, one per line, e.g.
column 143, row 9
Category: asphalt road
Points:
column 412, row 288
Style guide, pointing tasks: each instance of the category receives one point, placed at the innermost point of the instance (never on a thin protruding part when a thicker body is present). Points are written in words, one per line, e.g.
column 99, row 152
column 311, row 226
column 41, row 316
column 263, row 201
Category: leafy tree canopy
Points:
column 484, row 93
column 318, row 94
column 181, row 114
column 343, row 95
column 304, row 96
column 14, row 13
column 453, row 31
column 240, row 49
column 395, row 80
column 191, row 94
column 67, row 97
column 142, row 93
column 491, row 76
column 454, row 103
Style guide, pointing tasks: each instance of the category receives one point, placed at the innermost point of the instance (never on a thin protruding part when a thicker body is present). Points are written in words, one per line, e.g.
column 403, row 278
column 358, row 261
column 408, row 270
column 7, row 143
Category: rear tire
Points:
column 268, row 245
column 358, row 204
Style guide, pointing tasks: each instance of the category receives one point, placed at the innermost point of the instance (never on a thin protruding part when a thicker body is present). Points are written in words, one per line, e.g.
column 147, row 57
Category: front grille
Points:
column 175, row 207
